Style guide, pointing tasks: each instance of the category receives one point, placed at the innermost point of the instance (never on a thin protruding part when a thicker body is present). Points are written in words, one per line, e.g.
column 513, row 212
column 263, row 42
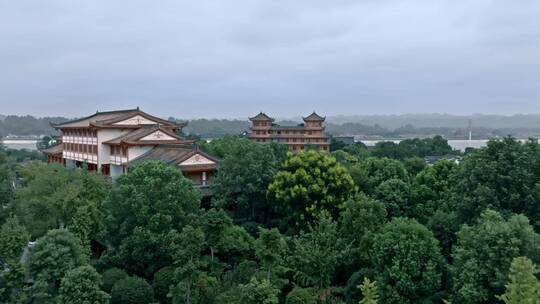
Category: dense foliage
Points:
column 356, row 225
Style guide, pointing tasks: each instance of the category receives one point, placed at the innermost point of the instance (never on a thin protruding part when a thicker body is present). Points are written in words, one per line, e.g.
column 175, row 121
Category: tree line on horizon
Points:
column 352, row 226
column 407, row 126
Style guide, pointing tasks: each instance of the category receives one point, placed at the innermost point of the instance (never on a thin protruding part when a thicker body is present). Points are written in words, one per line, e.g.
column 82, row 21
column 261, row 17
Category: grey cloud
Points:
column 232, row 58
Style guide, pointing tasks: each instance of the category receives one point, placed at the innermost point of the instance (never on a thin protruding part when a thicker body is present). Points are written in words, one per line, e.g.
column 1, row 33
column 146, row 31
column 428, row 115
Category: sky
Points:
column 234, row 58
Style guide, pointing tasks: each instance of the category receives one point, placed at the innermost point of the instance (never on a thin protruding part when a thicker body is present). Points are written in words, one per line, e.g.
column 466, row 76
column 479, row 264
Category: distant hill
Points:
column 442, row 120
column 376, row 126
column 27, row 125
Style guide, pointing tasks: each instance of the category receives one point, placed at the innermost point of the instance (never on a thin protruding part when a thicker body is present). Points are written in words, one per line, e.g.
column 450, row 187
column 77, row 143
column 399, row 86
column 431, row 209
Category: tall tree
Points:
column 215, row 224
column 484, row 252
column 408, row 263
column 245, row 172
column 81, row 285
column 270, row 248
column 502, row 176
column 13, row 239
column 370, row 173
column 316, row 254
column 191, row 279
column 432, row 189
column 53, row 194
column 51, row 258
column 523, row 287
column 309, row 184
column 142, row 208
column 6, row 187
column 395, row 194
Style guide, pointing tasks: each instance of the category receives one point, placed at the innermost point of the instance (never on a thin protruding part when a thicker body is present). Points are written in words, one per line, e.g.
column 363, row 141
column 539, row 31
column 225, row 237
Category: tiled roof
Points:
column 54, row 149
column 261, row 116
column 109, row 118
column 171, row 154
column 134, row 136
column 314, row 117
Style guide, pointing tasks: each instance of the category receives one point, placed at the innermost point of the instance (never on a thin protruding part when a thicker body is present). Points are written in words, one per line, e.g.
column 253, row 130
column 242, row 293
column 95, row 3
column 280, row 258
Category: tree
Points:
column 81, row 285
column 12, row 282
column 369, row 174
column 502, row 176
column 13, row 239
column 524, row 286
column 301, row 296
column 369, row 291
column 316, row 254
column 259, row 292
column 436, row 146
column 110, row 277
column 192, row 282
column 407, row 261
column 245, row 172
column 361, row 218
column 345, row 159
column 215, row 223
column 142, row 253
column 432, row 190
column 6, row 187
column 142, row 208
column 236, row 245
column 51, row 258
column 484, row 252
column 414, row 165
column 361, row 215
column 81, row 227
column 395, row 194
column 53, row 194
column 152, row 195
column 309, row 184
column 162, row 282
column 132, row 290
column 270, row 248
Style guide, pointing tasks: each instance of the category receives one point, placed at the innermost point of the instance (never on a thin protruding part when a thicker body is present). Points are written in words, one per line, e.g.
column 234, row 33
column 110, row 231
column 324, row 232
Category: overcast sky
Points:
column 229, row 58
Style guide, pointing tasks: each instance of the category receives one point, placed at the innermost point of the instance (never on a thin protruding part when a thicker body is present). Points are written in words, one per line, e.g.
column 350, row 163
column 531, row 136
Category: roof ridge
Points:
column 93, row 115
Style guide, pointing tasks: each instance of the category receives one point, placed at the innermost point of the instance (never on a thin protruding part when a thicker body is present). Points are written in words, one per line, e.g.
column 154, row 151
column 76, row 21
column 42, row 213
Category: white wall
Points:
column 136, row 151
column 104, row 151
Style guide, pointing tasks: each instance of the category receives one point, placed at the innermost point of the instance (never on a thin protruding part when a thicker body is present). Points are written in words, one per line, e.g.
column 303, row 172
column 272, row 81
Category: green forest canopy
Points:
column 310, row 228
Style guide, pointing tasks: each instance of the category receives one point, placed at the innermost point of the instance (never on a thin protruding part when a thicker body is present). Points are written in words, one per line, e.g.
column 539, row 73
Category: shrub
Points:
column 132, row 290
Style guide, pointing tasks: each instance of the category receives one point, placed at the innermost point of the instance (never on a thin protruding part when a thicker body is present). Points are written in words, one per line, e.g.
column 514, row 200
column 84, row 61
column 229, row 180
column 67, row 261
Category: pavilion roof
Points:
column 175, row 155
column 109, row 118
column 57, row 149
column 135, row 137
column 314, row 117
column 261, row 116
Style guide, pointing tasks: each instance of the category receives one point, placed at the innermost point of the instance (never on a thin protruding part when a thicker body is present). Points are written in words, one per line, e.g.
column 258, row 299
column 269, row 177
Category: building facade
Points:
column 111, row 142
column 310, row 133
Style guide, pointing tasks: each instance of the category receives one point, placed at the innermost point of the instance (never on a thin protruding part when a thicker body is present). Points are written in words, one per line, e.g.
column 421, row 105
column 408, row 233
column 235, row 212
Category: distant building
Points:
column 298, row 138
column 110, row 142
